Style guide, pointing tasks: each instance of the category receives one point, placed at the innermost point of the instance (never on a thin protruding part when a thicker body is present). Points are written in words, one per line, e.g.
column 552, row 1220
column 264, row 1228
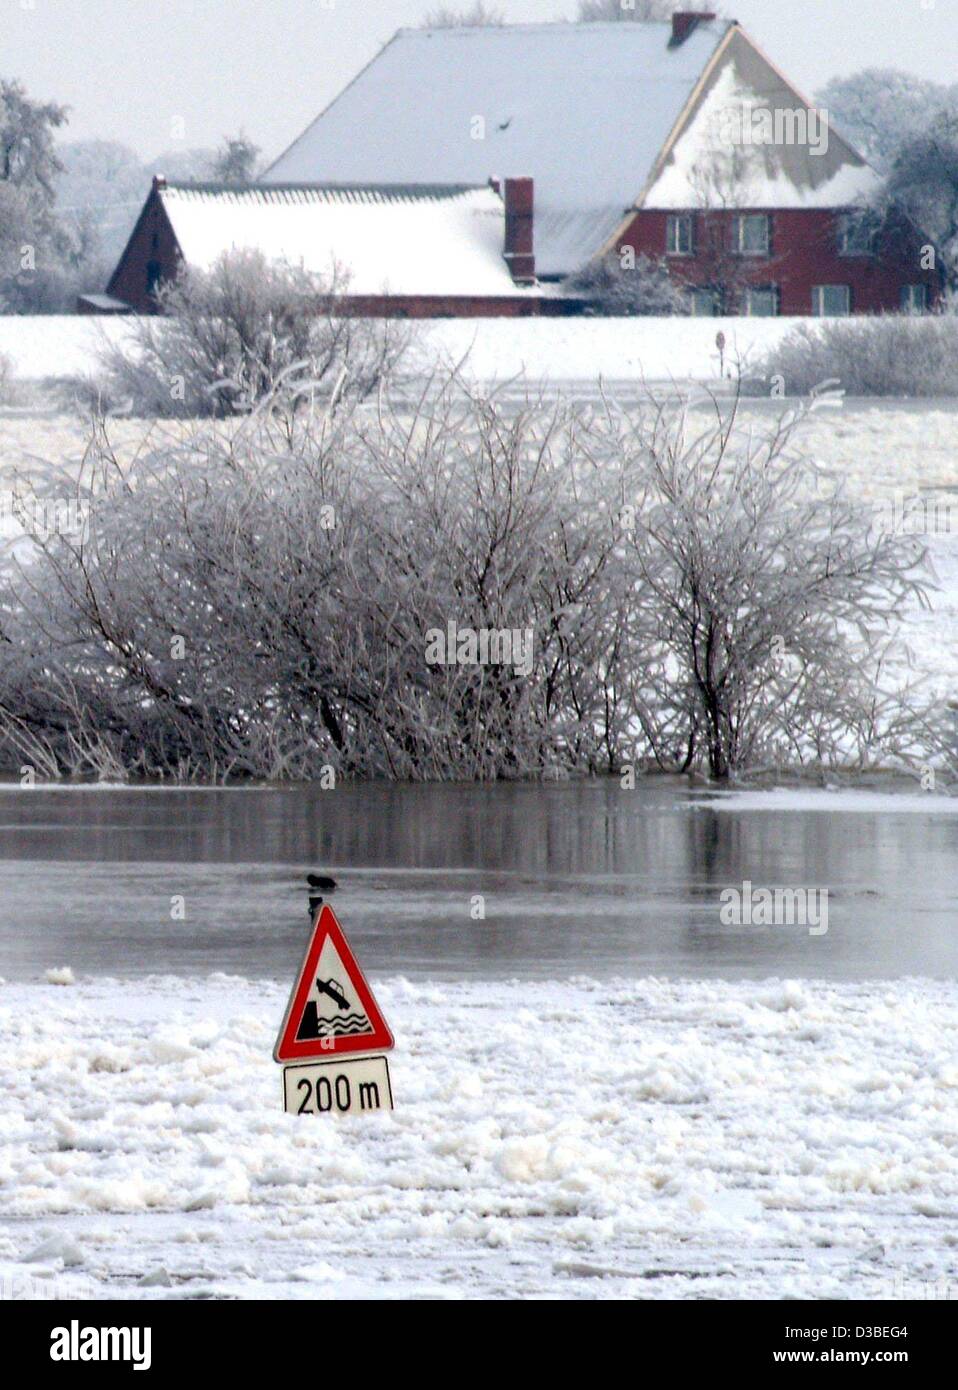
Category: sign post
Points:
column 333, row 1032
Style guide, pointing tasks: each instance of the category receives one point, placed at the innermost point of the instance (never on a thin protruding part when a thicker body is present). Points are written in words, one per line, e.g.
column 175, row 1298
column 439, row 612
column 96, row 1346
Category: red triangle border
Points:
column 287, row 1048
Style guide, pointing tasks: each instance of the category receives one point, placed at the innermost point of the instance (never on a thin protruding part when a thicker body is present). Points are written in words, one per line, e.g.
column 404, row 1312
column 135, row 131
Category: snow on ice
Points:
column 651, row 1138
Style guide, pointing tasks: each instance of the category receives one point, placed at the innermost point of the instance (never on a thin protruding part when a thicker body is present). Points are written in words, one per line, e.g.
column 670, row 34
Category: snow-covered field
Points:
column 630, row 349
column 573, row 349
column 645, row 1139
column 54, row 345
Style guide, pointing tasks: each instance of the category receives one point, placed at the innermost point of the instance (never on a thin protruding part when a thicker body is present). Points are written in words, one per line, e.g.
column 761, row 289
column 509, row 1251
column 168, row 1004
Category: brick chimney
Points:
column 517, row 194
column 684, row 21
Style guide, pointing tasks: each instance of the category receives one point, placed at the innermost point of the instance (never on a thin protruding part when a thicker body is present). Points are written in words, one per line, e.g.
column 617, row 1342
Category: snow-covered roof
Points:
column 387, row 239
column 583, row 108
column 105, row 303
column 604, row 117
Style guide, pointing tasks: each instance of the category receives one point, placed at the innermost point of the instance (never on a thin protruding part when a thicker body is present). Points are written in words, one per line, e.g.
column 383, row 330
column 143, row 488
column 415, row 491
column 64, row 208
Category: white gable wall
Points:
column 703, row 169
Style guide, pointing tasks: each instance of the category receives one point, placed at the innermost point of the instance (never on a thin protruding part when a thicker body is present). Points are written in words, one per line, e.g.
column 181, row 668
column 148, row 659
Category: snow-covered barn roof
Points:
column 582, row 108
column 397, row 239
column 605, row 117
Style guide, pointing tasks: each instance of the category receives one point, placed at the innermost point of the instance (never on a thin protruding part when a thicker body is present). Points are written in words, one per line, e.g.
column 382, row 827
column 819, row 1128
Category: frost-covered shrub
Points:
column 770, row 598
column 894, row 355
column 228, row 336
column 273, row 596
column 612, row 288
column 257, row 599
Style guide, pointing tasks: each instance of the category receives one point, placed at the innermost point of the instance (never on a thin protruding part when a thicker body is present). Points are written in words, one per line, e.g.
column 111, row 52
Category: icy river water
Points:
column 573, row 879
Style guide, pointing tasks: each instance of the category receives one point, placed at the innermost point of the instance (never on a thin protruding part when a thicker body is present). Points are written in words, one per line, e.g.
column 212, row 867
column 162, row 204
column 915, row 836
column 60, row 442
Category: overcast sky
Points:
column 157, row 74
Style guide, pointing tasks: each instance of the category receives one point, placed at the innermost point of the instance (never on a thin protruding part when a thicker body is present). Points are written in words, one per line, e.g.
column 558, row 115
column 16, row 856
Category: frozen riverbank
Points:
column 635, row 1138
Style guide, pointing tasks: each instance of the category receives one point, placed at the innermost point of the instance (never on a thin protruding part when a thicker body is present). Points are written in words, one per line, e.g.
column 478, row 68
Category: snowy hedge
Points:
column 893, row 355
column 452, row 588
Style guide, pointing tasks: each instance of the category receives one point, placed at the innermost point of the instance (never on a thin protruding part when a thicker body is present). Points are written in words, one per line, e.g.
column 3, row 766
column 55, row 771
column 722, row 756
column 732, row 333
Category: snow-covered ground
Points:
column 562, row 349
column 641, row 1138
column 55, row 345
column 629, row 349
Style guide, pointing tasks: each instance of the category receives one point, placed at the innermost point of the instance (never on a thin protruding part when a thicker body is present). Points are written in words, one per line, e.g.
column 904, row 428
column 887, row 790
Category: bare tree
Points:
column 37, row 252
column 235, row 161
column 729, row 179
column 260, row 603
column 922, row 184
column 879, row 109
column 627, row 284
column 228, row 335
column 773, row 595
column 28, row 157
column 479, row 16
column 628, row 10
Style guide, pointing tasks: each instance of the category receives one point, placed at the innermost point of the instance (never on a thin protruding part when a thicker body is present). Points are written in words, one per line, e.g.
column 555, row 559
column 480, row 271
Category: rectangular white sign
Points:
column 342, row 1086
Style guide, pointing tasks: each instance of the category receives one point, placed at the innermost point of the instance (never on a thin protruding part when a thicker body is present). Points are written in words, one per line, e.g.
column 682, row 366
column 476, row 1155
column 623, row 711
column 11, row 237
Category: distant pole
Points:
column 720, row 344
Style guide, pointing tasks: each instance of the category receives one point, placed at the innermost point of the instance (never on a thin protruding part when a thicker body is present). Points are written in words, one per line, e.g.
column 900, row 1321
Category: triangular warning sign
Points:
column 331, row 1010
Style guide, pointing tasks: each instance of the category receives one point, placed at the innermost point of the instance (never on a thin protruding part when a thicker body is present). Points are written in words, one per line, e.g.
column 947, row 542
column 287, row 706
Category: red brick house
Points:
column 755, row 222
column 678, row 140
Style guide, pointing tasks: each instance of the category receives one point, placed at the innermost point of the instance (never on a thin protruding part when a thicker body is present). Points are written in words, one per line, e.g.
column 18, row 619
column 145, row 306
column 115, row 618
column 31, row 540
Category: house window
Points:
column 752, row 234
column 914, row 299
column 154, row 273
column 857, row 235
column 678, row 235
column 761, row 301
column 704, row 302
column 831, row 301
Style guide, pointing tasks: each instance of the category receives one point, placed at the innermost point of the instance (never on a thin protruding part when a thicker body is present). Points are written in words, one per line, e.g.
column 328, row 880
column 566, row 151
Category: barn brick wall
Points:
column 152, row 244
column 456, row 306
